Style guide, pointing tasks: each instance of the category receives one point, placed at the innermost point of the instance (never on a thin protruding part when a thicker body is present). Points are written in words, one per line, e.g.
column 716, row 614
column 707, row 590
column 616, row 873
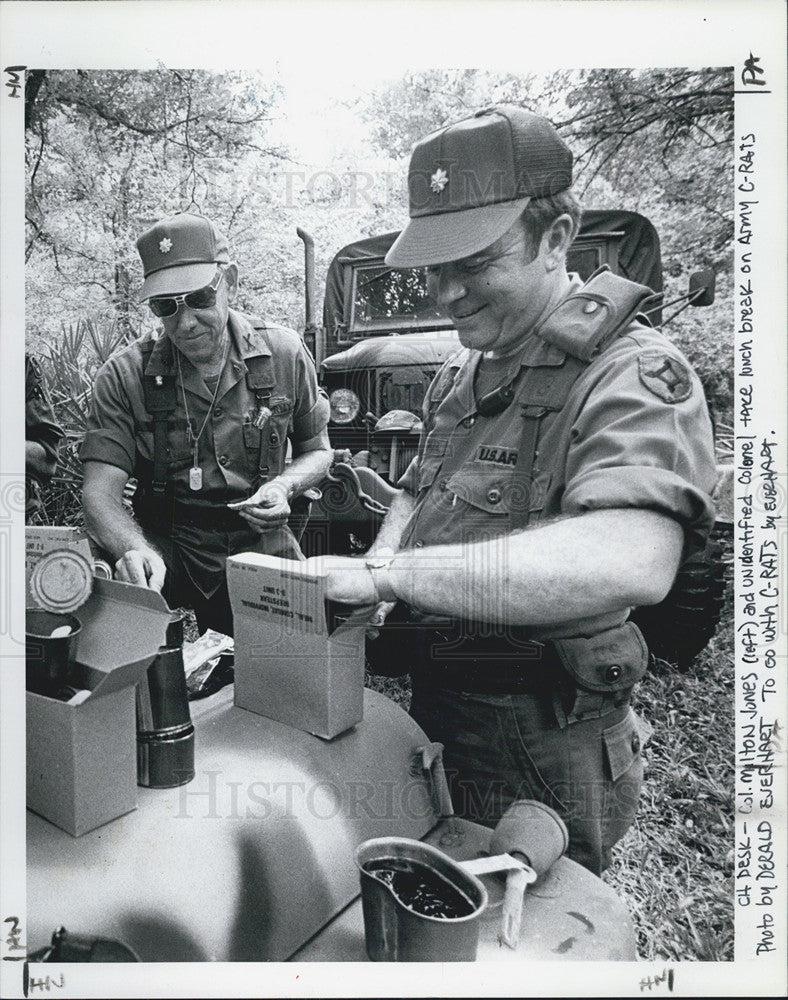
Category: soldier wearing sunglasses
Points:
column 200, row 417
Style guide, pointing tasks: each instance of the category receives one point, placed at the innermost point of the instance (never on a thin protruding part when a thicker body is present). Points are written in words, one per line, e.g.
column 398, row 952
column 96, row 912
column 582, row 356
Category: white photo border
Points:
column 531, row 36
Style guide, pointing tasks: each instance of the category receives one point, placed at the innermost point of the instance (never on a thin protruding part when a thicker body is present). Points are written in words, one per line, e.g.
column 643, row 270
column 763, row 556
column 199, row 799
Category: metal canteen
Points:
column 165, row 734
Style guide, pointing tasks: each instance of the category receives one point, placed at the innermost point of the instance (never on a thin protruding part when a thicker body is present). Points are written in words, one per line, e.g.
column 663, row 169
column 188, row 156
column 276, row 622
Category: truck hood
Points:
column 407, row 349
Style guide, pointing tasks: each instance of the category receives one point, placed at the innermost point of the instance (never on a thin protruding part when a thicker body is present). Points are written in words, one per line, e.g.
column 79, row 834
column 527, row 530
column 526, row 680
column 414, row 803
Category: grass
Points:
column 674, row 868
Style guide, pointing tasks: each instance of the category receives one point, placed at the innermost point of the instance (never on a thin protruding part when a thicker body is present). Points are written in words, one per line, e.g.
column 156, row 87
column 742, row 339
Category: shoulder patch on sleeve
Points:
column 665, row 376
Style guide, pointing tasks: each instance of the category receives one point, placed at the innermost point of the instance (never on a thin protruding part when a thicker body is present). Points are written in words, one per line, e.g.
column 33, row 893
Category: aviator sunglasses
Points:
column 202, row 298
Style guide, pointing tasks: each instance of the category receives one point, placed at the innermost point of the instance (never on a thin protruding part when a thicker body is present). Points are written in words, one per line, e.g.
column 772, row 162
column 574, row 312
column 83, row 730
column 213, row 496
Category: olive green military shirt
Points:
column 634, row 433
column 120, row 430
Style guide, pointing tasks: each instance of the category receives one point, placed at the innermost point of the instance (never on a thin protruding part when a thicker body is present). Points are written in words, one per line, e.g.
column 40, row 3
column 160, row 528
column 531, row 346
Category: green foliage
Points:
column 656, row 141
column 110, row 152
column 705, row 337
column 69, row 365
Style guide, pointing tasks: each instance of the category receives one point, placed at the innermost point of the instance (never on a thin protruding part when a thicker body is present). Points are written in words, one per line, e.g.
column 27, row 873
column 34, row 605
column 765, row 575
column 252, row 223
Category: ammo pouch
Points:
column 611, row 662
column 585, row 322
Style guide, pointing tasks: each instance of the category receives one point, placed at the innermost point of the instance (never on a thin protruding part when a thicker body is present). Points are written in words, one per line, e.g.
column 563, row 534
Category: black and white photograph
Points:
column 403, row 501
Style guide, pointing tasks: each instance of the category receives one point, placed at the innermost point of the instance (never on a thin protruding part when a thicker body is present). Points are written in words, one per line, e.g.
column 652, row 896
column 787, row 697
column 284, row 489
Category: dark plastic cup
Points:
column 49, row 658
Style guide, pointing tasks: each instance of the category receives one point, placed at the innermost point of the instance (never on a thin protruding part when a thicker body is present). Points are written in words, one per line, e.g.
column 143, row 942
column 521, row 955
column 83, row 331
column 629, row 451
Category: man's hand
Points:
column 266, row 509
column 143, row 567
column 349, row 581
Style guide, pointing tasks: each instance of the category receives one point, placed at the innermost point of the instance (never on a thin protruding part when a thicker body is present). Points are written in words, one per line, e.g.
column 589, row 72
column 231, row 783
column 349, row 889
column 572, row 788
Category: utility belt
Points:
column 167, row 510
column 472, row 657
column 483, row 667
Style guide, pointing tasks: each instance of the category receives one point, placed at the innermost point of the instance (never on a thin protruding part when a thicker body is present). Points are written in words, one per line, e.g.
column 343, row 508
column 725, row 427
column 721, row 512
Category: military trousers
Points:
column 196, row 560
column 503, row 747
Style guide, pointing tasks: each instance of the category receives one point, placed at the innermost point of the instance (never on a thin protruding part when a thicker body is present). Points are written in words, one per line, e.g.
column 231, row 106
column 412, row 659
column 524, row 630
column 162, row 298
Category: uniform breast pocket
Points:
column 498, row 491
column 434, row 451
column 251, row 436
column 279, row 423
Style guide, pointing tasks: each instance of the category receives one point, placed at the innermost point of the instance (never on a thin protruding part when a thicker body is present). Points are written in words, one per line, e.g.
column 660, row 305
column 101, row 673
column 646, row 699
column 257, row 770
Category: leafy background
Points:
column 108, row 153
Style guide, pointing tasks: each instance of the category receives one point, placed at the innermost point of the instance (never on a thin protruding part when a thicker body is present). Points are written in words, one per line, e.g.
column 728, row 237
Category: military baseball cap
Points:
column 469, row 181
column 179, row 254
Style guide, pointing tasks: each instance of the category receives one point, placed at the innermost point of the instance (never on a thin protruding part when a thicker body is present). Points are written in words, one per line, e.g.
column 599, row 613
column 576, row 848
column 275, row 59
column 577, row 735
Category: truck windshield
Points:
column 384, row 300
column 382, row 296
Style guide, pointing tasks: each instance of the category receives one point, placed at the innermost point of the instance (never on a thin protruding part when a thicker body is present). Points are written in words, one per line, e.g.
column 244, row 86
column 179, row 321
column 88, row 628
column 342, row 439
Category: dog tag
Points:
column 195, row 473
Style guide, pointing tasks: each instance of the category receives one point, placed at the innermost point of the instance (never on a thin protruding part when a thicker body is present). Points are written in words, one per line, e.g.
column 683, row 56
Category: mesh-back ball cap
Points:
column 468, row 182
column 179, row 254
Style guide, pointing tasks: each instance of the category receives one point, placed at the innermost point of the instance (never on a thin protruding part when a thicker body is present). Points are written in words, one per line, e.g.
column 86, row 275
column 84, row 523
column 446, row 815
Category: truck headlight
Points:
column 345, row 405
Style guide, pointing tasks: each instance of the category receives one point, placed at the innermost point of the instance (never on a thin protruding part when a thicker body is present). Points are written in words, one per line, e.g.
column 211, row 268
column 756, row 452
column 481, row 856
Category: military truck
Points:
column 380, row 344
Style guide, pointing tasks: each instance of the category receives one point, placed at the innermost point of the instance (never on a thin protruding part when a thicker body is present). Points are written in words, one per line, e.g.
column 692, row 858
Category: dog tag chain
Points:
column 195, row 473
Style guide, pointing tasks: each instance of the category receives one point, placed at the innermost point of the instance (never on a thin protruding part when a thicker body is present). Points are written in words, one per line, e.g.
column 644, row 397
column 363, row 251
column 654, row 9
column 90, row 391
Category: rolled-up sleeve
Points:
column 311, row 410
column 110, row 428
column 632, row 448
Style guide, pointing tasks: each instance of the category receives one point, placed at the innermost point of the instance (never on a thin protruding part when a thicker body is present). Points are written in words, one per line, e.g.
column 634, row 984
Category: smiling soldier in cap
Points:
column 201, row 418
column 565, row 466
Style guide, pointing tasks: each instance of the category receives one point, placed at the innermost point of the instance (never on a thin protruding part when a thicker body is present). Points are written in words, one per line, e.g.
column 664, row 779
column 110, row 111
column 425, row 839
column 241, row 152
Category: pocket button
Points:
column 613, row 673
column 494, row 495
column 635, row 743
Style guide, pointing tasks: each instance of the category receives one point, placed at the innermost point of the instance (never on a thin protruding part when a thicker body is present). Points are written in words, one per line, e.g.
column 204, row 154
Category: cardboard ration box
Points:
column 82, row 757
column 289, row 664
column 39, row 541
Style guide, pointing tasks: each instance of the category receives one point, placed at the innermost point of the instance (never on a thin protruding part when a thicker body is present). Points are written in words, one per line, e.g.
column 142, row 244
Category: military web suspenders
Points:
column 547, row 390
column 260, row 381
column 160, row 396
column 582, row 325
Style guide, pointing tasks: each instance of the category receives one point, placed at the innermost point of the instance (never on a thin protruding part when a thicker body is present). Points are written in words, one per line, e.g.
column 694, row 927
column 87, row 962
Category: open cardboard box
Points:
column 289, row 665
column 82, row 758
column 39, row 540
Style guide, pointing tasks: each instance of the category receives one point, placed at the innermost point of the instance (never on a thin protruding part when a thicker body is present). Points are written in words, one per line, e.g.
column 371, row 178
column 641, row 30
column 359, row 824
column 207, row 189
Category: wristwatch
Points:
column 378, row 566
